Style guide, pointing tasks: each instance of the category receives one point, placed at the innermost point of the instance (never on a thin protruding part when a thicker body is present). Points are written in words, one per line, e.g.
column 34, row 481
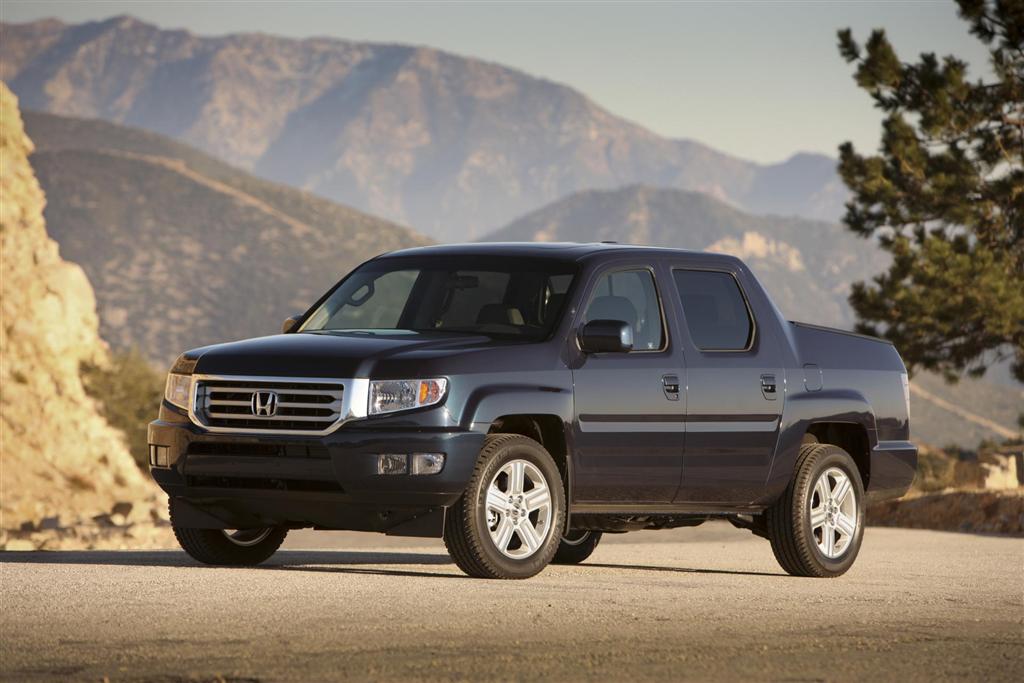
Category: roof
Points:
column 569, row 251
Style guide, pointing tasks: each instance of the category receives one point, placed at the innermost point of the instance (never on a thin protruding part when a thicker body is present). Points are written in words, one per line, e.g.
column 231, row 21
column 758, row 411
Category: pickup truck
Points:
column 521, row 400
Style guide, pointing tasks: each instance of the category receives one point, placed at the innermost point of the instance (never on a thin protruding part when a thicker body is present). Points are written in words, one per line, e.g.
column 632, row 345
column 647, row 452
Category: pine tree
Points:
column 944, row 196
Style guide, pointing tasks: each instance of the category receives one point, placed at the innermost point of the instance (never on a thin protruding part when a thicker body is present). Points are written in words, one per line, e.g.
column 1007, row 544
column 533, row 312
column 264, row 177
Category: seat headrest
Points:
column 499, row 314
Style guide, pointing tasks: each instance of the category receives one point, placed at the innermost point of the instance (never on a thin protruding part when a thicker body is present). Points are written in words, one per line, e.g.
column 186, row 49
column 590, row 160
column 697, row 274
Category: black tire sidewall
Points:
column 838, row 458
column 211, row 546
column 575, row 553
column 521, row 448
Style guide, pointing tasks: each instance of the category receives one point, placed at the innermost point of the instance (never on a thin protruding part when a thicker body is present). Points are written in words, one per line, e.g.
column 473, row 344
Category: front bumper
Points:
column 242, row 481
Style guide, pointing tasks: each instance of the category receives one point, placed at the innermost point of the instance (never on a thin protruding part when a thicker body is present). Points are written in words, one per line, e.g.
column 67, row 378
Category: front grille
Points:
column 299, row 407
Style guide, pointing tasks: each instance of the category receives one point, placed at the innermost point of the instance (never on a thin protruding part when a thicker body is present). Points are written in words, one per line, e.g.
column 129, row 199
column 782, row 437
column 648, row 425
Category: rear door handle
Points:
column 670, row 384
column 768, row 387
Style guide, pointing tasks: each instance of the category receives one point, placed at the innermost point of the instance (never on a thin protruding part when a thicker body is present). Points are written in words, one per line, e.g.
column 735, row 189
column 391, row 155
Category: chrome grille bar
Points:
column 307, row 406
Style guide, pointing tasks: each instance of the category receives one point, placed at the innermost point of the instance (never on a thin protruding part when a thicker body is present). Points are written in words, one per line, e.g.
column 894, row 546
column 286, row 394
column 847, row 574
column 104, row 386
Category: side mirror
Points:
column 606, row 336
column 290, row 323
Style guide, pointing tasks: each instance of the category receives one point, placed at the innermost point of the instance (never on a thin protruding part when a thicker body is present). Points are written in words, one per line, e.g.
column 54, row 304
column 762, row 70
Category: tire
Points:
column 576, row 546
column 803, row 522
column 223, row 547
column 486, row 530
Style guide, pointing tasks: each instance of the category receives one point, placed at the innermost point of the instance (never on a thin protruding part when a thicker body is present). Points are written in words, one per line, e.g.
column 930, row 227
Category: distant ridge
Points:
column 802, row 262
column 452, row 145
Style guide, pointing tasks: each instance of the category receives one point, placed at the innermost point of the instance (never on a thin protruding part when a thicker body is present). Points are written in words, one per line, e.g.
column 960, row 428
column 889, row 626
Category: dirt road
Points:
column 704, row 603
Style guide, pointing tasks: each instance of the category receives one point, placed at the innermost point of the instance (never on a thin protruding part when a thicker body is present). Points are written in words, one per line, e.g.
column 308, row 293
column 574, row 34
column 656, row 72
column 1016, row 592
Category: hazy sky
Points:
column 761, row 80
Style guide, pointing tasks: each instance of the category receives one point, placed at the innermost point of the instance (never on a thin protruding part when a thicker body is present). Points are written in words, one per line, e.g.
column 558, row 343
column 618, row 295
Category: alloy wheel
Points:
column 833, row 512
column 518, row 509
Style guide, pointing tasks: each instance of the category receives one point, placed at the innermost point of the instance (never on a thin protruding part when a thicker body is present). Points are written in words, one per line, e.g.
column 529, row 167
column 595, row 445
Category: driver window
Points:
column 630, row 296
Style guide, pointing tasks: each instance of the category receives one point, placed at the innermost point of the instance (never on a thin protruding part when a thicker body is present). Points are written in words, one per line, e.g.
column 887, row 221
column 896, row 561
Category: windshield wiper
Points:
column 367, row 333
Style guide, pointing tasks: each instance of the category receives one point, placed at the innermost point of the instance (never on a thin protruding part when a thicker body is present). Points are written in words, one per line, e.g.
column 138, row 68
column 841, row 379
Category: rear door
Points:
column 735, row 390
column 628, row 427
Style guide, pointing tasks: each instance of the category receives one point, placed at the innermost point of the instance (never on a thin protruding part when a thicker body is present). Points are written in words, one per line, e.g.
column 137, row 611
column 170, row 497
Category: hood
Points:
column 334, row 355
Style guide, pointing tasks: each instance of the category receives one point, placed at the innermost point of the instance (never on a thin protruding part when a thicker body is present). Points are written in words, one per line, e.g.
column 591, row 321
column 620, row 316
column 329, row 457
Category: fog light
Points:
column 392, row 463
column 427, row 463
column 158, row 456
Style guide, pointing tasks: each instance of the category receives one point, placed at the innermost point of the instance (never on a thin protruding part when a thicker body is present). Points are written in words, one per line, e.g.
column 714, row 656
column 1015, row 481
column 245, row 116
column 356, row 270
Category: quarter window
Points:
column 716, row 312
column 630, row 296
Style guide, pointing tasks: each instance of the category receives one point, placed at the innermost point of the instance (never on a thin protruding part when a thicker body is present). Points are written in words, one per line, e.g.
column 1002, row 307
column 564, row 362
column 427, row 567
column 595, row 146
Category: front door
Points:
column 628, row 426
column 735, row 389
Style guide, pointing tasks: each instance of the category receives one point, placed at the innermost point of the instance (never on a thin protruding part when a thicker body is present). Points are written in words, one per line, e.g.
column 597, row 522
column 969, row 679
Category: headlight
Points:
column 178, row 390
column 387, row 396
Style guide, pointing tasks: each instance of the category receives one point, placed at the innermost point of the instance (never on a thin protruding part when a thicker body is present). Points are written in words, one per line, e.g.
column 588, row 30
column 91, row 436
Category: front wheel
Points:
column 507, row 523
column 816, row 527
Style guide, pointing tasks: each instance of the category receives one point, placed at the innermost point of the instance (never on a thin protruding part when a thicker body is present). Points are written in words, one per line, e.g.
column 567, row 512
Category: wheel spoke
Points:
column 503, row 534
column 846, row 524
column 828, row 539
column 818, row 517
column 821, row 487
column 497, row 500
column 529, row 536
column 517, row 477
column 842, row 490
column 536, row 498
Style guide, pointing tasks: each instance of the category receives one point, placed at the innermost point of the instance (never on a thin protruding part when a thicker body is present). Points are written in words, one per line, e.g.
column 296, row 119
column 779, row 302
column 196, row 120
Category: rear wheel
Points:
column 576, row 546
column 506, row 524
column 816, row 527
column 229, row 547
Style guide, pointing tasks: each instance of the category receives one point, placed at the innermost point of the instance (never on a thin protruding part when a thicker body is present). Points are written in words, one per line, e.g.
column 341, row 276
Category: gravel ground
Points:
column 702, row 603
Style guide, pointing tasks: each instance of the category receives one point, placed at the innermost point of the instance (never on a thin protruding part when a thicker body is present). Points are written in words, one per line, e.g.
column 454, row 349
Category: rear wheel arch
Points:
column 852, row 437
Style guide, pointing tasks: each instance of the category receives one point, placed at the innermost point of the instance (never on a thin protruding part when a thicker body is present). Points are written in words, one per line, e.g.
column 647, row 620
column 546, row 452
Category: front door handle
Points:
column 768, row 387
column 670, row 384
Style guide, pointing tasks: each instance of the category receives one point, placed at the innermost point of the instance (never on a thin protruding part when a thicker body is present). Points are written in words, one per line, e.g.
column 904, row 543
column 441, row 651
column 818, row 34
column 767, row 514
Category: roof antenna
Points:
column 608, row 242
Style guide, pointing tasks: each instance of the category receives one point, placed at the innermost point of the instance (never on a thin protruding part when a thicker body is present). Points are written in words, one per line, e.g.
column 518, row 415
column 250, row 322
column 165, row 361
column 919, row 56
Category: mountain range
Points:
column 183, row 249
column 454, row 146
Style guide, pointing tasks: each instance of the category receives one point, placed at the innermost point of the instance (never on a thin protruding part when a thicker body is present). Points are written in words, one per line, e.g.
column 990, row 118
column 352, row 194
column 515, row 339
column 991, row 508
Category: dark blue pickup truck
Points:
column 521, row 400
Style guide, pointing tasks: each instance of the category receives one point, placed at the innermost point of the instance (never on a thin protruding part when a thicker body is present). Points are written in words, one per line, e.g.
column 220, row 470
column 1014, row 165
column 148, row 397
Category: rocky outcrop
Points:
column 65, row 474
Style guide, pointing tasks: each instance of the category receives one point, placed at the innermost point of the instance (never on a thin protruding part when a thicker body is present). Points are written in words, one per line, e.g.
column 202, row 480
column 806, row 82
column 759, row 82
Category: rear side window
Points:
column 716, row 312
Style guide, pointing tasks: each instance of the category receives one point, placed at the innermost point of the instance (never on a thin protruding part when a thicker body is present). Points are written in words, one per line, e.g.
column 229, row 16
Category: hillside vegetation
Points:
column 184, row 250
column 452, row 145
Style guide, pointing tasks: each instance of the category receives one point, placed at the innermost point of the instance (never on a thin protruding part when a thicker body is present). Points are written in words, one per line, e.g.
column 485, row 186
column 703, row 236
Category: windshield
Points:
column 509, row 297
